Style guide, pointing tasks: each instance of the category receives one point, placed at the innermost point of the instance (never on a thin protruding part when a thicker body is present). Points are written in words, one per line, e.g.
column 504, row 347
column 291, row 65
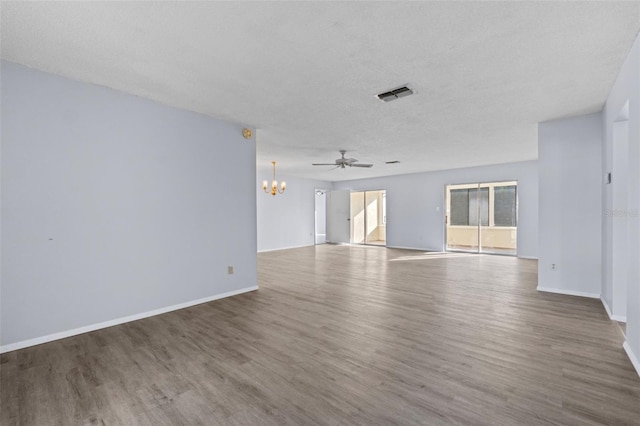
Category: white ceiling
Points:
column 305, row 74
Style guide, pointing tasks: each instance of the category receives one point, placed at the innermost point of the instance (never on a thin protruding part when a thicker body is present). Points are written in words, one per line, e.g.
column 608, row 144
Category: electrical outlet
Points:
column 229, row 270
column 554, row 267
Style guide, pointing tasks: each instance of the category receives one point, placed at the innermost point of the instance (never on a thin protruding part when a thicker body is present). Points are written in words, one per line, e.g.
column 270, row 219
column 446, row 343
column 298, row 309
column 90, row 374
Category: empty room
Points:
column 320, row 213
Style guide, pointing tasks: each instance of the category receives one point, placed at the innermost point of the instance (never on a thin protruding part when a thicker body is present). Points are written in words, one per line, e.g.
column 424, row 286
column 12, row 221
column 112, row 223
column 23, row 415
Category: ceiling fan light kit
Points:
column 344, row 162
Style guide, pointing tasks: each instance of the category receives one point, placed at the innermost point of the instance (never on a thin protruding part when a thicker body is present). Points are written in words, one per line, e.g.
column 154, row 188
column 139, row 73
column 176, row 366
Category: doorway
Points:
column 368, row 217
column 320, row 216
column 482, row 217
column 619, row 214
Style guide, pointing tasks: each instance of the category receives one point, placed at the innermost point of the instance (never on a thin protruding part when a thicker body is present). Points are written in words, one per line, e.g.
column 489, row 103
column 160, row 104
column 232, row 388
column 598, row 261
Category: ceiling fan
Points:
column 343, row 162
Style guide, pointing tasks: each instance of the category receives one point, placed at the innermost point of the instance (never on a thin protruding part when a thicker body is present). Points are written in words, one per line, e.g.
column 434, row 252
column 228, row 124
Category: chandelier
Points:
column 274, row 184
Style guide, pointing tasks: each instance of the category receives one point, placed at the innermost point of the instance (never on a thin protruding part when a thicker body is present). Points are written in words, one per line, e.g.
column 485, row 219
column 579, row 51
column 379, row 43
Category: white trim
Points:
column 606, row 307
column 634, row 359
column 81, row 330
column 286, row 248
column 569, row 292
column 411, row 248
column 453, row 251
column 612, row 317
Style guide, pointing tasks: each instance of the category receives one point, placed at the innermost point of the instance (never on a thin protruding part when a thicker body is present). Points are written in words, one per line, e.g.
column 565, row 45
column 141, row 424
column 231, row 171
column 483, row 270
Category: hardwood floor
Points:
column 343, row 335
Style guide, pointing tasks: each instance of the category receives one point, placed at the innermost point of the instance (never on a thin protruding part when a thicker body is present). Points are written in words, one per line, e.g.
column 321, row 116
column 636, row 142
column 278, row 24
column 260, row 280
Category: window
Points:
column 504, row 205
column 460, row 207
column 464, row 207
column 483, row 209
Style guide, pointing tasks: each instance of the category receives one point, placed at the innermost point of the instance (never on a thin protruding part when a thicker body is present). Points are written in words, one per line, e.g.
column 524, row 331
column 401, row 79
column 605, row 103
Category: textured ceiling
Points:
column 305, row 74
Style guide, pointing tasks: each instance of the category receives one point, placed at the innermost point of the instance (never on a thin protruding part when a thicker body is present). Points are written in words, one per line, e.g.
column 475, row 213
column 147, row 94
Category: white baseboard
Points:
column 634, row 359
column 569, row 292
column 81, row 330
column 606, row 307
column 612, row 317
column 441, row 251
column 408, row 248
column 285, row 248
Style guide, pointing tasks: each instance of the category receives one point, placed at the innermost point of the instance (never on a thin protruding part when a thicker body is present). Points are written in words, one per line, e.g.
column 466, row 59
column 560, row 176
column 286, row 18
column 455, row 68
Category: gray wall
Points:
column 286, row 220
column 113, row 205
column 415, row 203
column 569, row 163
column 626, row 88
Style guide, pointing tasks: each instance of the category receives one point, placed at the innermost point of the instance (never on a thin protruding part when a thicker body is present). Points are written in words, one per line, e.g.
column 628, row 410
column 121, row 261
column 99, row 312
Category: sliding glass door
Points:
column 500, row 237
column 462, row 224
column 368, row 217
column 481, row 217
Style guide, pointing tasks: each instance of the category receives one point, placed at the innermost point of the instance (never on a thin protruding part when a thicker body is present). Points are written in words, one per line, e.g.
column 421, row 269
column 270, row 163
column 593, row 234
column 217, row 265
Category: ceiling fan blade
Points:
column 343, row 162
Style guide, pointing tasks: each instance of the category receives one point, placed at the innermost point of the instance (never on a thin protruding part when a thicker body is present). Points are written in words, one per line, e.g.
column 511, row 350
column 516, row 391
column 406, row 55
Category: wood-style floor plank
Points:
column 342, row 335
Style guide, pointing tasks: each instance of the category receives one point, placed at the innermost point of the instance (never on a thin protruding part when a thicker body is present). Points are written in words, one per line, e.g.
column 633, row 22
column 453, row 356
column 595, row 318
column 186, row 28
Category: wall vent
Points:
column 394, row 94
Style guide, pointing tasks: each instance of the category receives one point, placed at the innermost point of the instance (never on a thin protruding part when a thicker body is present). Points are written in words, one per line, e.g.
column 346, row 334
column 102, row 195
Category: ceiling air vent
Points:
column 394, row 94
